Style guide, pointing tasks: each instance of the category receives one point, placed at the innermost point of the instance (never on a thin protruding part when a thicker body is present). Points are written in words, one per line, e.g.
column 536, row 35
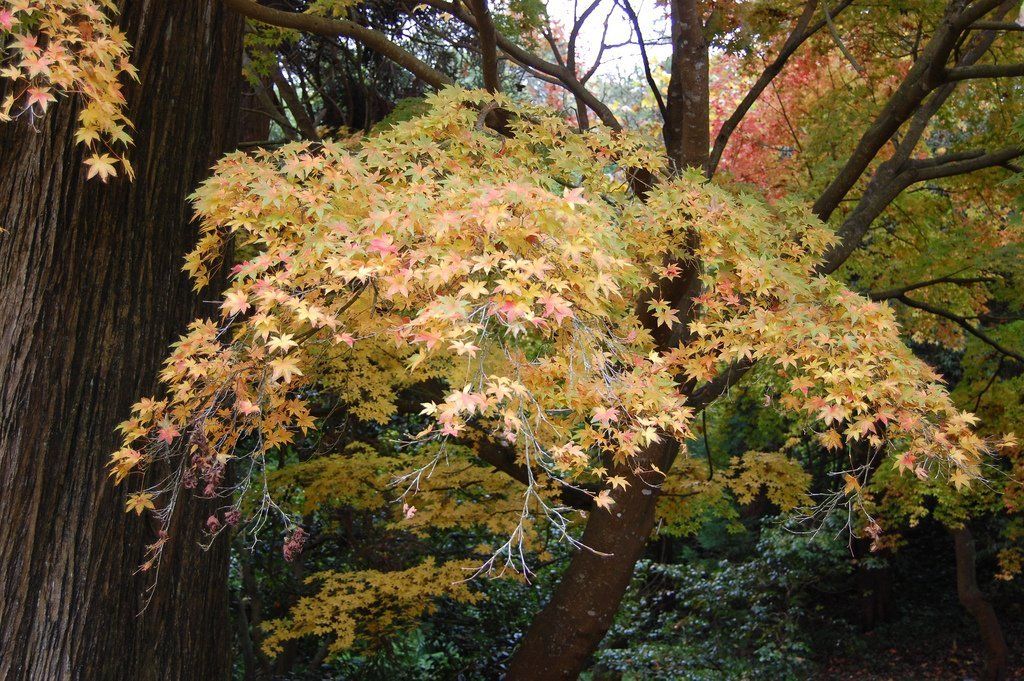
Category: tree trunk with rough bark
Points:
column 975, row 602
column 91, row 294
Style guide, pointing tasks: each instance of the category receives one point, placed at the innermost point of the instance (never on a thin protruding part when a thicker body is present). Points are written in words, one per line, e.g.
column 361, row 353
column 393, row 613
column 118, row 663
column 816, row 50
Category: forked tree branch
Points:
column 528, row 60
column 926, row 74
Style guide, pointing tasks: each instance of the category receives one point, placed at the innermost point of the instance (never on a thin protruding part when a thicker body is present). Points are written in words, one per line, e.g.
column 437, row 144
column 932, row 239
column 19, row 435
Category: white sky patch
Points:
column 624, row 59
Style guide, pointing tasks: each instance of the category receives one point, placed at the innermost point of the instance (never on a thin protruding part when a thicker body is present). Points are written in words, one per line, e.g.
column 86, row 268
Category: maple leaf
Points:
column 246, row 407
column 905, row 462
column 663, row 313
column 385, row 245
column 801, row 384
column 139, row 503
column 42, row 97
column 604, row 500
column 284, row 369
column 606, row 416
column 1008, row 442
column 852, row 485
column 960, row 479
column 574, row 197
column 235, row 302
column 168, row 431
column 830, row 439
column 284, row 342
column 617, row 481
column 473, row 289
column 833, row 413
column 464, row 348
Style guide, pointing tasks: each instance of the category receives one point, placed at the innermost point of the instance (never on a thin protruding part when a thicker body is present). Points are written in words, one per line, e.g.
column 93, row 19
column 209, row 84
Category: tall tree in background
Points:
column 91, row 292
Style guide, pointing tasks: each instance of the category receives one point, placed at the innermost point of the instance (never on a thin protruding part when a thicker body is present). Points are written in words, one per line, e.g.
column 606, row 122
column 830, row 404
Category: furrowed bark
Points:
column 91, row 294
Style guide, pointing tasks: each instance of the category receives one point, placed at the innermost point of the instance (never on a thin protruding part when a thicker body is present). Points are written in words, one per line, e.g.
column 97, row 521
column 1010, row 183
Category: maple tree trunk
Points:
column 91, row 293
column 566, row 632
column 975, row 602
column 564, row 635
column 687, row 132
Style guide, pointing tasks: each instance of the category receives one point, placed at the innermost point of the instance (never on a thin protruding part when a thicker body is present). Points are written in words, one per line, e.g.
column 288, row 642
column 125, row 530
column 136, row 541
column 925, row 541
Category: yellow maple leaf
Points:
column 139, row 503
column 960, row 480
column 101, row 165
column 604, row 500
column 284, row 369
column 617, row 481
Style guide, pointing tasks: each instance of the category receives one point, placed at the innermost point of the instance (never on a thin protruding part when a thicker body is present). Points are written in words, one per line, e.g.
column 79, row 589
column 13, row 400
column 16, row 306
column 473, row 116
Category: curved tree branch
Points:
column 332, row 28
column 643, row 56
column 984, row 71
column 797, row 37
column 963, row 323
column 888, row 294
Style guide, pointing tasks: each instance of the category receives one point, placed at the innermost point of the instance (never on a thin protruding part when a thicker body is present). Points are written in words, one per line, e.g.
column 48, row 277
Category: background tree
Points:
column 92, row 292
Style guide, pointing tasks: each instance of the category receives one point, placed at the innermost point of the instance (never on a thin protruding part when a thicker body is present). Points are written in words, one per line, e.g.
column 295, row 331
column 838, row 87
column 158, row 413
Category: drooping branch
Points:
column 332, row 28
column 888, row 294
column 963, row 323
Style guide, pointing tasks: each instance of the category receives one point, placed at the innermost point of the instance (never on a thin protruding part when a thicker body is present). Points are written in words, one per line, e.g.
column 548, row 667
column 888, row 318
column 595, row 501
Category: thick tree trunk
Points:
column 974, row 601
column 687, row 132
column 566, row 632
column 91, row 293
